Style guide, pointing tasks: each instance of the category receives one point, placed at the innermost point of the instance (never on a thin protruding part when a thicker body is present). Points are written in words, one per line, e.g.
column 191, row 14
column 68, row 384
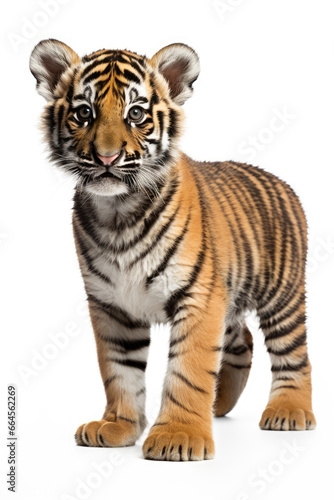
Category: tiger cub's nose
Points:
column 107, row 160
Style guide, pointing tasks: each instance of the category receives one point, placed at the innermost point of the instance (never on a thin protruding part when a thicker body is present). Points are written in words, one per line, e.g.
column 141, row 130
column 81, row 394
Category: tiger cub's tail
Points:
column 235, row 368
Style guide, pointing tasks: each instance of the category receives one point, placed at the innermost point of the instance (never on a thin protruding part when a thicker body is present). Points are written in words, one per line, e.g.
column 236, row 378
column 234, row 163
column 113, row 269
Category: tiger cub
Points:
column 162, row 238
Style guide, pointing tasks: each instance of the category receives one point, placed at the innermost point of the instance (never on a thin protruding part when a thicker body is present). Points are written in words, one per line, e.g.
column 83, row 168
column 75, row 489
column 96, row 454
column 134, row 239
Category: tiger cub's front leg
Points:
column 122, row 348
column 183, row 430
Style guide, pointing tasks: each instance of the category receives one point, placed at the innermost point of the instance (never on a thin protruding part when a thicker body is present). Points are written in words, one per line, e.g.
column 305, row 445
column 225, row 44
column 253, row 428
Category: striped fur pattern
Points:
column 164, row 239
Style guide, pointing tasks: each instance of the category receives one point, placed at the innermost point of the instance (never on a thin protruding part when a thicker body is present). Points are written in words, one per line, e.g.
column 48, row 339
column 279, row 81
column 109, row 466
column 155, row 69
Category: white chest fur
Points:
column 132, row 268
column 127, row 286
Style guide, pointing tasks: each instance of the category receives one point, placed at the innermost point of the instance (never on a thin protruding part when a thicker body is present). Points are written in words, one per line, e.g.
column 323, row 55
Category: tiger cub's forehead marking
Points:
column 106, row 74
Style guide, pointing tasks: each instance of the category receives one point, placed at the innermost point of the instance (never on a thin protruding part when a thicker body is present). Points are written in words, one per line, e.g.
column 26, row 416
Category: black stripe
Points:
column 130, row 57
column 298, row 342
column 118, row 87
column 247, row 173
column 172, row 128
column 86, row 165
column 109, row 380
column 126, row 419
column 50, row 124
column 173, row 400
column 164, row 158
column 129, row 157
column 190, row 384
column 169, row 254
column 148, row 121
column 95, row 60
column 291, row 368
column 159, row 423
column 178, row 340
column 118, row 71
column 60, row 116
column 131, row 363
column 283, row 303
column 178, row 321
column 219, row 183
column 238, row 367
column 87, row 219
column 152, row 218
column 162, row 231
column 79, row 97
column 266, row 318
column 132, row 165
column 287, row 235
column 139, row 70
column 230, row 183
column 70, row 91
column 216, row 349
column 293, row 198
column 160, row 116
column 93, row 65
column 89, row 261
column 207, row 215
column 131, row 76
column 102, row 85
column 213, row 188
column 249, row 202
column 102, row 95
column 181, row 308
column 237, row 351
column 97, row 74
column 152, row 141
column 66, row 139
column 118, row 314
column 172, row 355
column 279, row 286
column 175, row 298
column 154, row 97
column 233, row 339
column 282, row 332
column 181, row 292
column 130, row 345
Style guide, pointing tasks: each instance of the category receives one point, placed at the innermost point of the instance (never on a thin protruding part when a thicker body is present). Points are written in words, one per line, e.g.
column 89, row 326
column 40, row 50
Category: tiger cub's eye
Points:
column 83, row 114
column 136, row 114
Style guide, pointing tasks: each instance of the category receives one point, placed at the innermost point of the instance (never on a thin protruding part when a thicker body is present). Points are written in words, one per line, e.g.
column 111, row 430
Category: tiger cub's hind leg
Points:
column 290, row 400
column 235, row 367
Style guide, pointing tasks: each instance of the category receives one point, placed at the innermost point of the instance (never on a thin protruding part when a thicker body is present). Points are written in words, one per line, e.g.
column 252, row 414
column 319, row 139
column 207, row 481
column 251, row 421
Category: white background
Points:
column 258, row 58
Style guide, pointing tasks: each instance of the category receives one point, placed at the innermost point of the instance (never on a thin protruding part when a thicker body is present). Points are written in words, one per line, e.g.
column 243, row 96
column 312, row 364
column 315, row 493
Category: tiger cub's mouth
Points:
column 107, row 175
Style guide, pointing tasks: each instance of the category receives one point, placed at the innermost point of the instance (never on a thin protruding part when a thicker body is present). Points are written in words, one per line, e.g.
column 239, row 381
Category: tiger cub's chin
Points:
column 106, row 187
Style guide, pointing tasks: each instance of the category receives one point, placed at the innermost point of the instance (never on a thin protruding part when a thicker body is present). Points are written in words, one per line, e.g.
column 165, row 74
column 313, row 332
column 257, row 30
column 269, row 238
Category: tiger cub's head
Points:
column 113, row 118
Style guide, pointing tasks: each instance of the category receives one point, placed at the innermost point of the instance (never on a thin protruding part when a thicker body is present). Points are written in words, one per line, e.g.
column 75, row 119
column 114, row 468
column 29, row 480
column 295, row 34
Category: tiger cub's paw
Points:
column 107, row 434
column 179, row 443
column 284, row 419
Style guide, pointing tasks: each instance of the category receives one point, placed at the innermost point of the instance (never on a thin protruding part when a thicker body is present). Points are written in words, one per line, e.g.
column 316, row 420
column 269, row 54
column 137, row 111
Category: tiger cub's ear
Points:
column 48, row 61
column 179, row 65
